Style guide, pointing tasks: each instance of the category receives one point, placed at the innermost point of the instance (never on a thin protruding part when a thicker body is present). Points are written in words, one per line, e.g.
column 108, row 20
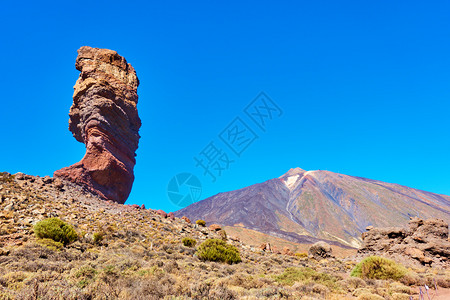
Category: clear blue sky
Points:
column 364, row 87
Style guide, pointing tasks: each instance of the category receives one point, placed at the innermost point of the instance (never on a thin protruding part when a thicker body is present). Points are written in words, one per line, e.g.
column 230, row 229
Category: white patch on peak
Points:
column 290, row 181
column 309, row 173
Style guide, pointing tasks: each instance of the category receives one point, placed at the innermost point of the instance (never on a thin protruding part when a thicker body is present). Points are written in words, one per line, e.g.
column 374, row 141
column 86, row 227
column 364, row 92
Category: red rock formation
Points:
column 104, row 117
column 215, row 227
column 162, row 213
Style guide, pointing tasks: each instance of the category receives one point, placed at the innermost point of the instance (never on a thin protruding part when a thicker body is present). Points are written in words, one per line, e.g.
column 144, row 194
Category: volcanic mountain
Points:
column 304, row 206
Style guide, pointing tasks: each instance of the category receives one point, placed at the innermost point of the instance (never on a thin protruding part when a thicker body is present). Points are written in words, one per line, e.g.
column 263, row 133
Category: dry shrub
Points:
column 274, row 292
column 318, row 288
column 369, row 296
column 14, row 280
column 221, row 292
column 306, row 275
column 397, row 287
column 443, row 282
column 56, row 289
column 245, row 281
column 353, row 283
column 411, row 279
column 400, row 296
column 199, row 290
column 360, row 291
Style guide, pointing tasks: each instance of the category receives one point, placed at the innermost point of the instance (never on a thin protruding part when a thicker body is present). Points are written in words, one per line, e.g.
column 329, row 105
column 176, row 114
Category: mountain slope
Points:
column 304, row 206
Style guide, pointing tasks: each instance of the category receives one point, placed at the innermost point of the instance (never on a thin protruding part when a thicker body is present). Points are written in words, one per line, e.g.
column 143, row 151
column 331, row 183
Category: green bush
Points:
column 375, row 267
column 189, row 242
column 200, row 223
column 218, row 250
column 56, row 230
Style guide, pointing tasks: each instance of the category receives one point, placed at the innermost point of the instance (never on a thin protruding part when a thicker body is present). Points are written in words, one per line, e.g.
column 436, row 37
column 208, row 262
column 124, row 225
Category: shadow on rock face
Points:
column 104, row 117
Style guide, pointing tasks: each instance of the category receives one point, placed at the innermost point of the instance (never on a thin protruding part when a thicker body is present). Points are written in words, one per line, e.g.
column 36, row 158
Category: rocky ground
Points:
column 129, row 252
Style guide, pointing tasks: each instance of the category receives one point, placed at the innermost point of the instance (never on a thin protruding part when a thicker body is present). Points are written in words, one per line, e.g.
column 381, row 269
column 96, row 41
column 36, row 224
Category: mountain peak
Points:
column 292, row 172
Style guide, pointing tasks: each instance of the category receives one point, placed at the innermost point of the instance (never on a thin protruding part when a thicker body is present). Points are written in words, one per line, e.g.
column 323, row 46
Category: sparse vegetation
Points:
column 56, row 230
column 189, row 242
column 200, row 223
column 301, row 255
column 50, row 244
column 305, row 276
column 376, row 267
column 218, row 250
column 98, row 237
column 142, row 256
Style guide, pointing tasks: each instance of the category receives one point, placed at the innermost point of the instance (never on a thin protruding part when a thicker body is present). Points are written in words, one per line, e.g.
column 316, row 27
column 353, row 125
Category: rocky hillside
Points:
column 304, row 206
column 129, row 252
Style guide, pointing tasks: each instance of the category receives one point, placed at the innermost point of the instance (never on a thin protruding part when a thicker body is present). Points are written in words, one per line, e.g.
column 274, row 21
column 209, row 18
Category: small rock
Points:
column 186, row 219
column 58, row 184
column 287, row 251
column 266, row 247
column 171, row 215
column 47, row 179
column 214, row 227
column 162, row 213
column 19, row 176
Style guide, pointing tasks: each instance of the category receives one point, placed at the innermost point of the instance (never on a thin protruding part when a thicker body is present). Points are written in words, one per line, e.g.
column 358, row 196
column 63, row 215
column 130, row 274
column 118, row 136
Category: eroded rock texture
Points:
column 425, row 241
column 104, row 117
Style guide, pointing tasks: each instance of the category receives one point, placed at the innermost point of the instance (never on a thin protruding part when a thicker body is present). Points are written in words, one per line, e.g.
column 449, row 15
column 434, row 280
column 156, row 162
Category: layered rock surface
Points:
column 425, row 241
column 104, row 117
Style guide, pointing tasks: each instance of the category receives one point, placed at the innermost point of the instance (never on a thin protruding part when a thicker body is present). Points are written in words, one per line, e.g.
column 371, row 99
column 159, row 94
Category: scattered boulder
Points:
column 287, row 251
column 47, row 179
column 186, row 219
column 320, row 250
column 266, row 247
column 104, row 117
column 214, row 227
column 162, row 213
column 171, row 216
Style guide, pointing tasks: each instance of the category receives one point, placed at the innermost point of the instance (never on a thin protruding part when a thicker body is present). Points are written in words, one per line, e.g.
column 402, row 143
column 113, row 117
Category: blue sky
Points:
column 364, row 87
